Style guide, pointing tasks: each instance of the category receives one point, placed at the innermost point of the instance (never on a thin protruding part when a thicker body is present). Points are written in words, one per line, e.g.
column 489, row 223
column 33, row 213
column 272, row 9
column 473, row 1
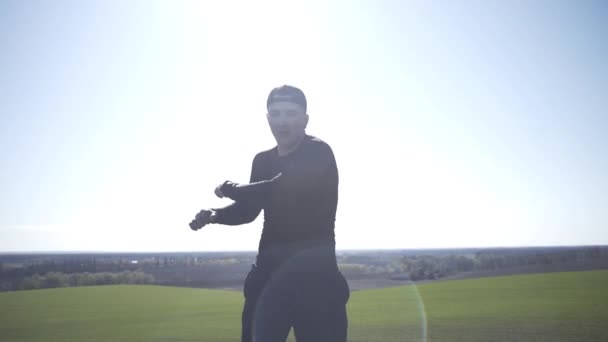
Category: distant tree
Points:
column 55, row 279
column 86, row 278
column 463, row 264
column 352, row 269
column 107, row 278
column 31, row 282
column 6, row 286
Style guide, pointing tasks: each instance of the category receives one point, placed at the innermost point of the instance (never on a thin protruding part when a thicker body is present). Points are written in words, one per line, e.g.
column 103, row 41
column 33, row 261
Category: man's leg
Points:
column 247, row 321
column 323, row 325
column 266, row 316
column 272, row 320
column 320, row 315
column 251, row 290
column 273, row 317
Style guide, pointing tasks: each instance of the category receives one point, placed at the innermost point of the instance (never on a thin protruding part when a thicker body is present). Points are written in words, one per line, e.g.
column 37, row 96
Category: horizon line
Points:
column 256, row 251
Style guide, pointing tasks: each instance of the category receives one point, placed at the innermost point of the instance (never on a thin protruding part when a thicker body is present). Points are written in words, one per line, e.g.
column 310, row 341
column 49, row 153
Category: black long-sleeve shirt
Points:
column 299, row 205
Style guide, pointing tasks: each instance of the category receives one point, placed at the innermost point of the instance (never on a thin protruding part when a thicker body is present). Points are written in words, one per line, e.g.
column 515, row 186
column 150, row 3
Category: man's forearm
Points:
column 236, row 213
column 257, row 192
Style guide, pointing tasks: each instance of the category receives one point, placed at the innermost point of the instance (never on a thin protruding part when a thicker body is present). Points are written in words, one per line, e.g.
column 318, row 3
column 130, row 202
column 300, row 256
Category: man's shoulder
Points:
column 266, row 154
column 315, row 140
column 318, row 144
column 312, row 144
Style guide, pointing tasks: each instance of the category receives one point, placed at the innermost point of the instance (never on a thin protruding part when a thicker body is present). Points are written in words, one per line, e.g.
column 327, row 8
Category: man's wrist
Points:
column 213, row 216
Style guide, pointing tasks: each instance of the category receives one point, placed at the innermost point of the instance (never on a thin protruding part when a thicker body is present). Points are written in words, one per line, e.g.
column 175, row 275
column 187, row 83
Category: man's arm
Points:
column 318, row 177
column 243, row 211
column 258, row 191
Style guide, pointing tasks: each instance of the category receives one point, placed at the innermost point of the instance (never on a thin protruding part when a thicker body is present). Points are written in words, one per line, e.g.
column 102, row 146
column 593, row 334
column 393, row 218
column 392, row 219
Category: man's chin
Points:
column 283, row 140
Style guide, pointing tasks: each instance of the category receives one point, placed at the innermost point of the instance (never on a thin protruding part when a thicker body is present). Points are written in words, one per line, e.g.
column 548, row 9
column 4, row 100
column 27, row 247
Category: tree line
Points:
column 23, row 272
column 59, row 279
column 431, row 265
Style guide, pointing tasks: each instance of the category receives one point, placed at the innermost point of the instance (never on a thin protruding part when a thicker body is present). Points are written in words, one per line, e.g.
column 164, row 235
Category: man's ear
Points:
column 305, row 120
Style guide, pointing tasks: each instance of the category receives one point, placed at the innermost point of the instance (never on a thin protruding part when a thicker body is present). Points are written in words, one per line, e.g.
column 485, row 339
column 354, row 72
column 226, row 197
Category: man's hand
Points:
column 203, row 218
column 218, row 190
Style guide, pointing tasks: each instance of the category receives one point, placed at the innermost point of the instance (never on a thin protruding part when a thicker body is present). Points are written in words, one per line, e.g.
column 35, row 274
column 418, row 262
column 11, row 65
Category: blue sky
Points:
column 460, row 124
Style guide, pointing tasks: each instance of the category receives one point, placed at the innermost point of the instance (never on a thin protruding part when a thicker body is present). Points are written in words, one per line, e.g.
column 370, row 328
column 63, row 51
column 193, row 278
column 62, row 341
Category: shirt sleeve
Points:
column 257, row 191
column 328, row 192
column 319, row 178
column 245, row 210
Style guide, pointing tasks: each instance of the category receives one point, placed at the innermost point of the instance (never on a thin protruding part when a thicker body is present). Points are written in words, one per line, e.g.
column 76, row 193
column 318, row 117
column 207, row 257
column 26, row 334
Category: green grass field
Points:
column 542, row 307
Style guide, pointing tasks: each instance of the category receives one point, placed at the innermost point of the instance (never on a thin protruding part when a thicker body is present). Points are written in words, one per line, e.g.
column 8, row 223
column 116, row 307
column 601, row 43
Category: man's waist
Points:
column 300, row 256
column 306, row 234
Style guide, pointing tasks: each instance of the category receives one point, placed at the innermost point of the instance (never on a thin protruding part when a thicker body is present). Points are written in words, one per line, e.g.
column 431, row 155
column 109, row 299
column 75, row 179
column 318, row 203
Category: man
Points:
column 295, row 281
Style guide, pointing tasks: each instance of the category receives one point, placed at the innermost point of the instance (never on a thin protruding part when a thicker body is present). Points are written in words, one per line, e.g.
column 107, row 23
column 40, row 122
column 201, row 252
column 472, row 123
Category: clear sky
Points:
column 454, row 123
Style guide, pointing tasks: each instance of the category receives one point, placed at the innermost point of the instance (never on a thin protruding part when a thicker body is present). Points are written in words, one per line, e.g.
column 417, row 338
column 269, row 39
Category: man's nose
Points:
column 281, row 119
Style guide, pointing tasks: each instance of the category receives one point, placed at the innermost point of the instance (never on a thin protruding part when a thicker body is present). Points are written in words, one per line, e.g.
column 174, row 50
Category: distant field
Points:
column 569, row 306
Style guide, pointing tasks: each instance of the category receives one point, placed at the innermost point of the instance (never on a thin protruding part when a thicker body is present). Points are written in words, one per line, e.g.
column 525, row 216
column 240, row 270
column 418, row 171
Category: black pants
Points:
column 313, row 302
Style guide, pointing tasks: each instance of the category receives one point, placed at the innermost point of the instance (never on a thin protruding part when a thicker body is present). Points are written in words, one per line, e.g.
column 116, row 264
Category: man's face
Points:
column 287, row 122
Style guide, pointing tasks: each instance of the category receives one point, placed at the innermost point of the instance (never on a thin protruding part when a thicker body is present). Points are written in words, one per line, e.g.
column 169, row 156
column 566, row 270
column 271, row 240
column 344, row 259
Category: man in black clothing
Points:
column 295, row 281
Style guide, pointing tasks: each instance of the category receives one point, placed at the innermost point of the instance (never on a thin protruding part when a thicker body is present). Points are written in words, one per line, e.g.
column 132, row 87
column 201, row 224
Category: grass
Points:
column 569, row 306
column 120, row 313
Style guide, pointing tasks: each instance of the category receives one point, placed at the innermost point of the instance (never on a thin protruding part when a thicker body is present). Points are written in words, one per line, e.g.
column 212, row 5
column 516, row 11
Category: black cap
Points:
column 287, row 93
